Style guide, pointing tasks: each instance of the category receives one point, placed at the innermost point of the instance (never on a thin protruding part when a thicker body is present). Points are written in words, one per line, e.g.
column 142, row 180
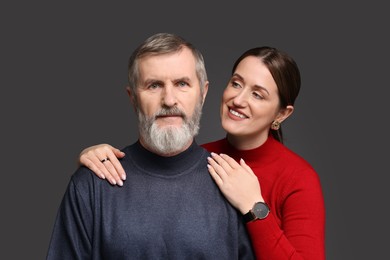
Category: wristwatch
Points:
column 259, row 211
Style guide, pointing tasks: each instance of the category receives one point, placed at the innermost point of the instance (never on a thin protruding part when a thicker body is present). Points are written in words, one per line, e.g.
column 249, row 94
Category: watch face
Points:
column 260, row 210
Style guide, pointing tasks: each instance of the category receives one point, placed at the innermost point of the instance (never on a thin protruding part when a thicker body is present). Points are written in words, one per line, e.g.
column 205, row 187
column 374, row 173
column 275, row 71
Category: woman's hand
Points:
column 236, row 181
column 102, row 159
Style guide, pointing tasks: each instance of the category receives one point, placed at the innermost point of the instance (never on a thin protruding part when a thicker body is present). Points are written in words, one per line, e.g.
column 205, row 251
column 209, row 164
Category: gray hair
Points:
column 163, row 43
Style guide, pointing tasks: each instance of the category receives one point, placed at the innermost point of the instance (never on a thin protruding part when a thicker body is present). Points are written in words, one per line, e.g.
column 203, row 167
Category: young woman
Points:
column 278, row 192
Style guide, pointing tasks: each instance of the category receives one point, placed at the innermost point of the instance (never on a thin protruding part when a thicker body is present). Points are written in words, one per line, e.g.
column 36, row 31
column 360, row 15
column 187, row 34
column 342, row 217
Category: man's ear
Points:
column 205, row 90
column 132, row 97
column 284, row 113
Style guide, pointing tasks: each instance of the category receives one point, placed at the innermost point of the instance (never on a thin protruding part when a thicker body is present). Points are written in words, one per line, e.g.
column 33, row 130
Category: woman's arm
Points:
column 295, row 227
column 102, row 159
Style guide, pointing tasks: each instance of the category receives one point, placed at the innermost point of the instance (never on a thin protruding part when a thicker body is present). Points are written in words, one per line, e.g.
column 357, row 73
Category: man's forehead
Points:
column 172, row 66
column 183, row 55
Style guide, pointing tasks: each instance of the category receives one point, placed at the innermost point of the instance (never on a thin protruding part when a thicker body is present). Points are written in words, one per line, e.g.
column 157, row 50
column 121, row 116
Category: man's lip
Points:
column 170, row 117
column 162, row 116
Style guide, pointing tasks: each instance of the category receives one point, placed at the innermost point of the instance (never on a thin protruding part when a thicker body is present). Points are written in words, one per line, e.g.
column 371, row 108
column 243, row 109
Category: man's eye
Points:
column 182, row 84
column 154, row 86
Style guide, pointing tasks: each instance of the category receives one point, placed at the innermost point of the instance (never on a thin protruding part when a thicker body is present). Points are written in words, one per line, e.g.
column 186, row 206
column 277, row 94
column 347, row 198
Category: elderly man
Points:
column 170, row 208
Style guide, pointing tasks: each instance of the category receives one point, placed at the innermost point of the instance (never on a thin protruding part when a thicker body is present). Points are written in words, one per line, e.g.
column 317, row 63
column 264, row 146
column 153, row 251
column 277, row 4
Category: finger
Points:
column 118, row 153
column 218, row 169
column 92, row 166
column 103, row 167
column 113, row 154
column 92, row 158
column 96, row 157
column 214, row 175
column 113, row 172
column 232, row 163
column 117, row 165
column 221, row 161
column 246, row 166
column 104, row 158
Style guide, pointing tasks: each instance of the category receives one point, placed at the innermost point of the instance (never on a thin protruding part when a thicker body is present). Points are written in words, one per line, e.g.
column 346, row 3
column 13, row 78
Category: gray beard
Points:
column 171, row 139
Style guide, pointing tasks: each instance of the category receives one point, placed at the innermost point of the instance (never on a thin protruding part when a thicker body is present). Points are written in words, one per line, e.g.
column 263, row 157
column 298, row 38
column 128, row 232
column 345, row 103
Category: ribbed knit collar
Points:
column 265, row 153
column 165, row 166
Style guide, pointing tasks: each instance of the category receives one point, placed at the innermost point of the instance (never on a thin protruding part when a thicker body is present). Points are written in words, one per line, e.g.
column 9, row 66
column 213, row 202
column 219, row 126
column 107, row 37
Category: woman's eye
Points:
column 257, row 95
column 235, row 85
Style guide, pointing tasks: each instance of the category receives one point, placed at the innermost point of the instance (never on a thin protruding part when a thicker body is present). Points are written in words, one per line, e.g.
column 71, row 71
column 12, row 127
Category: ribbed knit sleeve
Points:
column 73, row 230
column 295, row 227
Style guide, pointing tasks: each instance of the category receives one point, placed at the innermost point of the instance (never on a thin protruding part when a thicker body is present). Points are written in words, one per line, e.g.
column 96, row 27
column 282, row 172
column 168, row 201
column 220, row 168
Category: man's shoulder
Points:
column 83, row 177
column 129, row 147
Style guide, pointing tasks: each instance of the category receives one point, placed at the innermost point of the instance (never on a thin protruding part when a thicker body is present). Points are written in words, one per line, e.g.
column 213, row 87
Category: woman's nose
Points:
column 241, row 99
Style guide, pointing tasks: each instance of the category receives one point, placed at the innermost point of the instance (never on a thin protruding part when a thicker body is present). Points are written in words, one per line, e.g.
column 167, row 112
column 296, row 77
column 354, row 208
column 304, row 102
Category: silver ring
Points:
column 105, row 159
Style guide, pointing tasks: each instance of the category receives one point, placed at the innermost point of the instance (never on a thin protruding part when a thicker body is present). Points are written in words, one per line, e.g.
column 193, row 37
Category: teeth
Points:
column 236, row 113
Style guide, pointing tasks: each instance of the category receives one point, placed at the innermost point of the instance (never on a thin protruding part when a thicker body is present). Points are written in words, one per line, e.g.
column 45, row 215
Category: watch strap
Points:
column 248, row 217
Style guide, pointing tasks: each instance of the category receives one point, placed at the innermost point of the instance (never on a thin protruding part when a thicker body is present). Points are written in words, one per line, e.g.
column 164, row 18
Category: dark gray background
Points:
column 63, row 78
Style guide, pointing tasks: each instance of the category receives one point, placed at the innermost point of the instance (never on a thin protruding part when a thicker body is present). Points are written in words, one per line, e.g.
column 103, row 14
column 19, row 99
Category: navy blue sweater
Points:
column 168, row 208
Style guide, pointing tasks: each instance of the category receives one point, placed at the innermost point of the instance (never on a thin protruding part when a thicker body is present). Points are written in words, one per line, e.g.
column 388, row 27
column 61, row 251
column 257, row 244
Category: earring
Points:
column 275, row 125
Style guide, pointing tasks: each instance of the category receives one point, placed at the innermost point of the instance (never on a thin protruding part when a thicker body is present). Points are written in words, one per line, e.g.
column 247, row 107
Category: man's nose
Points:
column 169, row 96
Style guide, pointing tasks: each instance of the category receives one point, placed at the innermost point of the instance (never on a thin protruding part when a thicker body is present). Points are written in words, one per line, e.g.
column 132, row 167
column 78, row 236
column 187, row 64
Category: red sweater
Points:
column 295, row 227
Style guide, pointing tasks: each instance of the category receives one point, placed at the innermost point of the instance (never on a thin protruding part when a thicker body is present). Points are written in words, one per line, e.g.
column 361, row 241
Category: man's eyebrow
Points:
column 187, row 79
column 148, row 82
column 257, row 86
column 154, row 81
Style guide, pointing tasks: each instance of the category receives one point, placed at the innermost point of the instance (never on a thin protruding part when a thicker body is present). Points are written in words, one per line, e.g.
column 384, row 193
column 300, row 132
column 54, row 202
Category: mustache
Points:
column 170, row 111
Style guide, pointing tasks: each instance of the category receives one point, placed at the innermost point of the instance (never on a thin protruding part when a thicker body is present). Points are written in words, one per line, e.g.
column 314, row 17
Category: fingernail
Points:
column 120, row 183
column 213, row 154
column 124, row 177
